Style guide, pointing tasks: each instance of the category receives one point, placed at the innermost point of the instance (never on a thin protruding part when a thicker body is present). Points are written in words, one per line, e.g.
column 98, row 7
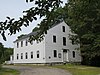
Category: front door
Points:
column 64, row 56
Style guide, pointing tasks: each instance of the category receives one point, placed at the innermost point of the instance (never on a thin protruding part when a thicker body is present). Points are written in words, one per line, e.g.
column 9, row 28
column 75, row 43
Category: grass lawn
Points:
column 6, row 71
column 80, row 70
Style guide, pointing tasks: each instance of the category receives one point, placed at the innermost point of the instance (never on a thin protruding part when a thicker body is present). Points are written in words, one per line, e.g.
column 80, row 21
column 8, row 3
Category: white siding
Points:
column 47, row 46
column 50, row 46
column 30, row 48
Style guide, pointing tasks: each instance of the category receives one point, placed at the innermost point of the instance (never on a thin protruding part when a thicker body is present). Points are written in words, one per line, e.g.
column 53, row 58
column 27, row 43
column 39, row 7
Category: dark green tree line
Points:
column 5, row 53
column 84, row 20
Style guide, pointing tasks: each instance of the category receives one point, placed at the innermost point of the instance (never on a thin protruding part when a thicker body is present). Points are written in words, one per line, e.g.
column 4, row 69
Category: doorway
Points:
column 65, row 55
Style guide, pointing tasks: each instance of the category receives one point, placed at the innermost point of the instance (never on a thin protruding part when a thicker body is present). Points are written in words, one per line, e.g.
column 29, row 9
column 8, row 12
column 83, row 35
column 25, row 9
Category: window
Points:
column 73, row 54
column 17, row 44
column 63, row 28
column 21, row 43
column 26, row 55
column 31, row 54
column 21, row 55
column 54, row 38
column 64, row 41
column 26, row 42
column 59, row 55
column 17, row 56
column 55, row 53
column 37, row 54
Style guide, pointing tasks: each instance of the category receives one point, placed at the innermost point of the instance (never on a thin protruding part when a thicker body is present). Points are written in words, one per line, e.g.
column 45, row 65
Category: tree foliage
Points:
column 1, row 52
column 5, row 53
column 43, row 8
column 84, row 20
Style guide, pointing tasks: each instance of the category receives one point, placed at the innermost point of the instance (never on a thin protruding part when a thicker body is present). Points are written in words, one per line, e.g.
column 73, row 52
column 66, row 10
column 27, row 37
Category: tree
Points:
column 43, row 8
column 84, row 20
column 1, row 52
column 7, row 53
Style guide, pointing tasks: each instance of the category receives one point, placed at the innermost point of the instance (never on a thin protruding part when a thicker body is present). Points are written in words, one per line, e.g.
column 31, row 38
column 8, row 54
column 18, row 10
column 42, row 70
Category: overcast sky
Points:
column 14, row 9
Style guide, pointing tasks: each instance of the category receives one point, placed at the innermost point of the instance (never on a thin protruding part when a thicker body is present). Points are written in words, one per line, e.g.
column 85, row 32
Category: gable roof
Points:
column 26, row 36
column 34, row 33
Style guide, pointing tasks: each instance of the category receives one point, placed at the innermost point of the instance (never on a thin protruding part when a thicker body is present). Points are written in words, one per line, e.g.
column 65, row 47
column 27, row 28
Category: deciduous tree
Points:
column 84, row 20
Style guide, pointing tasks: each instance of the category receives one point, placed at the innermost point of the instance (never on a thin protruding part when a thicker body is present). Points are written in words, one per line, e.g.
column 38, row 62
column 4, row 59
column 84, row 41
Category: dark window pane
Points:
column 55, row 53
column 73, row 54
column 17, row 56
column 63, row 28
column 26, row 55
column 37, row 54
column 54, row 39
column 17, row 44
column 26, row 42
column 64, row 41
column 31, row 54
column 21, row 43
column 21, row 55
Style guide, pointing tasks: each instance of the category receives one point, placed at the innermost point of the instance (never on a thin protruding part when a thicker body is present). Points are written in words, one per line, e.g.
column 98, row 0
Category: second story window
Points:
column 63, row 28
column 64, row 41
column 17, row 44
column 54, row 38
column 21, row 43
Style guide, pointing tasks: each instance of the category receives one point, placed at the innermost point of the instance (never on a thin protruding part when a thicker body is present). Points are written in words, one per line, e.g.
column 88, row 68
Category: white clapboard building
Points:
column 55, row 48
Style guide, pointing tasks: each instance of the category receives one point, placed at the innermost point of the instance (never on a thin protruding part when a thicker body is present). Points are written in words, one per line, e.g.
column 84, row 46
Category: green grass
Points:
column 73, row 69
column 80, row 70
column 6, row 71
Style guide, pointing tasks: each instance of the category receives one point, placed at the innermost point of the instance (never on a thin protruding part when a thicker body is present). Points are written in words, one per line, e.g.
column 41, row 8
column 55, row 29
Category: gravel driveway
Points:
column 27, row 70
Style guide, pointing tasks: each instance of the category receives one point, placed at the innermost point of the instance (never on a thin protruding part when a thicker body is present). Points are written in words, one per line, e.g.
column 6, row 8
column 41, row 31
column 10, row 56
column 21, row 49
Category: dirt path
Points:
column 26, row 70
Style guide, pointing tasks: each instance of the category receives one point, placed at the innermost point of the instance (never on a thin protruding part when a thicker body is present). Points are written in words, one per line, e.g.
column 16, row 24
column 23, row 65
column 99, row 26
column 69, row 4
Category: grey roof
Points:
column 26, row 36
column 34, row 33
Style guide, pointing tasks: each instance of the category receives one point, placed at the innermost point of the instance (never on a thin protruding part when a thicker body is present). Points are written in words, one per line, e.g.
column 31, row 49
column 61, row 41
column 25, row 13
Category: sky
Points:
column 14, row 9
